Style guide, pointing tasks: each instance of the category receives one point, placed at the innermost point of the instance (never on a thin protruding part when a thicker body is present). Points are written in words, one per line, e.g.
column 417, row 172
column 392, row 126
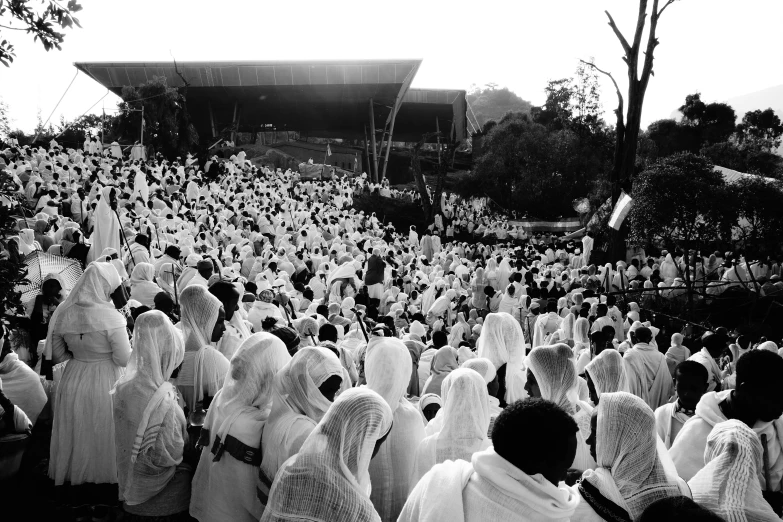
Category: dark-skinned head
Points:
column 228, row 295
column 205, row 268
column 691, row 382
column 554, row 438
column 327, row 332
column 759, row 386
column 643, row 335
column 220, row 325
column 439, row 339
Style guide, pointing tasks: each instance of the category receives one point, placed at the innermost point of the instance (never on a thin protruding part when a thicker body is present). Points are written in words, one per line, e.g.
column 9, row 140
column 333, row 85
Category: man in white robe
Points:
column 646, row 371
column 758, row 402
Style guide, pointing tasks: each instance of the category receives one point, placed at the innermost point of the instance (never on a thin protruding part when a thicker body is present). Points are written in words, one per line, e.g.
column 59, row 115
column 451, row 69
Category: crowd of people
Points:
column 243, row 345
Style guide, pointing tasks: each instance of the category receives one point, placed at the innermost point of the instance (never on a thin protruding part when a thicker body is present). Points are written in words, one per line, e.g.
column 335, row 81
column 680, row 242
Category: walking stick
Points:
column 361, row 324
column 130, row 253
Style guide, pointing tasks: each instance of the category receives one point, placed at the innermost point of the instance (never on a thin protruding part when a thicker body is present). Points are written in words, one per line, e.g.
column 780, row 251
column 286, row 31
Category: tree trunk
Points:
column 421, row 185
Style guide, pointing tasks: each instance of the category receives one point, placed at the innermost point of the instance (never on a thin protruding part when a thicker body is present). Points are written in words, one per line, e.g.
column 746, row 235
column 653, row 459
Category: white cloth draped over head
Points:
column 607, row 372
column 89, row 307
column 332, row 465
column 466, row 419
column 143, row 398
column 728, row 484
column 107, row 226
column 555, row 374
column 483, row 366
column 502, row 342
column 626, row 448
column 224, row 488
column 387, row 368
column 581, row 334
column 143, row 288
column 204, row 368
column 298, row 405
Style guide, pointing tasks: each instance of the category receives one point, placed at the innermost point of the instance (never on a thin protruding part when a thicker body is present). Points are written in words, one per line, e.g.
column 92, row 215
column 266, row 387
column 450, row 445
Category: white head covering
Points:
column 332, row 465
column 465, row 415
column 626, row 446
column 607, row 372
column 581, row 334
column 484, row 367
column 502, row 342
column 248, row 383
column 297, row 383
column 387, row 367
column 142, row 399
column 555, row 373
column 200, row 310
column 728, row 484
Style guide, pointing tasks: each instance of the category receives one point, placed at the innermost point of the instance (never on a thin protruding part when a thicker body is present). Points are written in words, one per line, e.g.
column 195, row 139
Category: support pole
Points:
column 437, row 129
column 142, row 130
column 234, row 124
column 374, row 161
column 212, row 120
column 366, row 151
column 388, row 144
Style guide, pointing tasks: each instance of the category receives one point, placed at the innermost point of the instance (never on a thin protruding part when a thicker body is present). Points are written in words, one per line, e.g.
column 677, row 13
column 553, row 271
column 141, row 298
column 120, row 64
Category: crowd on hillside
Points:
column 243, row 345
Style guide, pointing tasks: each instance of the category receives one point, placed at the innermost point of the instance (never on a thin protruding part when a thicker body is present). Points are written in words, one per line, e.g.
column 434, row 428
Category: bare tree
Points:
column 628, row 124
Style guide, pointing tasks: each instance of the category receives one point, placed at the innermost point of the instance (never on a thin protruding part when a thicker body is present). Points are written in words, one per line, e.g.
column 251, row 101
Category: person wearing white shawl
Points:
column 466, row 418
column 552, row 376
column 728, row 483
column 486, row 369
column 27, row 243
column 646, row 371
column 140, row 187
column 304, row 389
column 332, row 465
column 21, row 384
column 605, row 374
column 387, row 368
column 143, row 288
column 459, row 332
column 203, row 368
column 630, row 475
column 87, row 331
column 509, row 481
column 13, row 419
column 757, row 401
column 502, row 342
column 224, row 486
column 149, row 426
column 168, row 274
column 107, row 225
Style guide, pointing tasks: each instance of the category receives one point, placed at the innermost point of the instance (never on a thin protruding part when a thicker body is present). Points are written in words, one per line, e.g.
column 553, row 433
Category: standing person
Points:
column 150, row 428
column 224, row 487
column 690, row 383
column 107, row 225
column 507, row 481
column 646, row 370
column 502, row 342
column 373, row 279
column 387, row 368
column 728, row 484
column 87, row 331
column 332, row 465
column 629, row 476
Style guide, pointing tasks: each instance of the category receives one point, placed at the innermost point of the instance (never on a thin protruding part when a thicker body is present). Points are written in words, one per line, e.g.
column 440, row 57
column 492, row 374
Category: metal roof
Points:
column 327, row 98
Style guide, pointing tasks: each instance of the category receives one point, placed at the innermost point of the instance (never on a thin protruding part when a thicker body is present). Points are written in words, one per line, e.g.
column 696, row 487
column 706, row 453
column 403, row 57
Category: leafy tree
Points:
column 761, row 128
column 44, row 22
column 681, row 200
column 745, row 158
column 12, row 272
column 557, row 111
column 586, row 100
column 491, row 103
column 5, row 125
column 757, row 203
column 693, row 109
column 164, row 114
column 717, row 123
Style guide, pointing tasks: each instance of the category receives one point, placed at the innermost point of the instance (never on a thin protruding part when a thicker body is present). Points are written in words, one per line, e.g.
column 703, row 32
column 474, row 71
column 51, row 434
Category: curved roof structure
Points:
column 329, row 99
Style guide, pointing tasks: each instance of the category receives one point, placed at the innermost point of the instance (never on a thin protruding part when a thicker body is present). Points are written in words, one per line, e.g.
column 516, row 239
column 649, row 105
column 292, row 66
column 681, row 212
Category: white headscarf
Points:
column 626, row 447
column 332, row 465
column 555, row 374
column 502, row 342
column 387, row 368
column 607, row 372
column 728, row 484
column 466, row 415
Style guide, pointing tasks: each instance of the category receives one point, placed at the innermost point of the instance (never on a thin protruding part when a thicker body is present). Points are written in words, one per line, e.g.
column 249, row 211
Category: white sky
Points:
column 722, row 48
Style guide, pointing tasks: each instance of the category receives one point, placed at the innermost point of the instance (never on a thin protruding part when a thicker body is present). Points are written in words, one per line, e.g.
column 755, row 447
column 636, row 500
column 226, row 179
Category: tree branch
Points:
column 623, row 41
column 617, row 88
column 640, row 21
column 670, row 2
column 13, row 28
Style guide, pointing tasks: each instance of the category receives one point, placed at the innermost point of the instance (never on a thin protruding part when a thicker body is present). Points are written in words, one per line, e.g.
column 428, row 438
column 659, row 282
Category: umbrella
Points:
column 39, row 265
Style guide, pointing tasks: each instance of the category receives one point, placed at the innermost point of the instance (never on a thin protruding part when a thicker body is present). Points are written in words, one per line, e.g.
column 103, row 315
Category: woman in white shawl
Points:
column 332, row 465
column 149, row 426
column 203, row 368
column 551, row 375
column 387, row 368
column 459, row 332
column 504, row 271
column 502, row 342
column 143, row 288
column 107, row 225
column 27, row 242
column 728, row 484
column 224, row 487
column 304, row 390
column 605, row 374
column 668, row 270
column 87, row 331
column 630, row 475
column 492, row 274
column 465, row 420
column 168, row 274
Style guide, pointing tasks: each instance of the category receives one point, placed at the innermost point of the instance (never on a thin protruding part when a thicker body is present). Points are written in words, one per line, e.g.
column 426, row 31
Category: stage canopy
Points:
column 328, row 99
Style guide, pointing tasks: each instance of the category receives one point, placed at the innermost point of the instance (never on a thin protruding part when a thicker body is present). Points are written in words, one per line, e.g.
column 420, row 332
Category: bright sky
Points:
column 722, row 48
